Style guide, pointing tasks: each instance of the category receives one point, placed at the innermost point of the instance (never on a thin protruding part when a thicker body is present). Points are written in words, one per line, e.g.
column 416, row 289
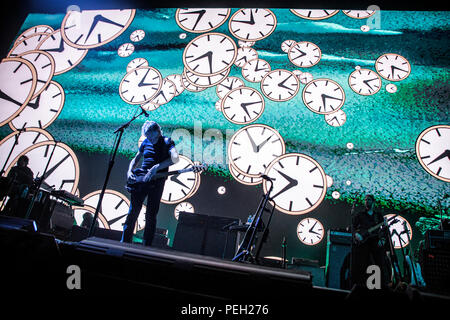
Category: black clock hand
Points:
column 4, row 96
column 443, row 155
column 200, row 13
column 311, row 229
column 174, row 178
column 251, row 21
column 112, row 221
column 281, row 84
column 263, row 143
column 244, row 106
column 366, row 82
column 257, row 64
column 301, row 55
column 394, row 67
column 143, row 83
column 209, row 56
column 58, row 49
column 35, row 105
column 255, row 148
column 99, row 18
column 325, row 96
column 49, row 172
column 292, row 183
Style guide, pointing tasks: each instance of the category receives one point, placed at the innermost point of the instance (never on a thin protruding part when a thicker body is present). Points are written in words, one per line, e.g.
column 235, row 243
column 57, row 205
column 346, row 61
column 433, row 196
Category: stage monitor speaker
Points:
column 312, row 266
column 205, row 235
column 338, row 259
column 18, row 223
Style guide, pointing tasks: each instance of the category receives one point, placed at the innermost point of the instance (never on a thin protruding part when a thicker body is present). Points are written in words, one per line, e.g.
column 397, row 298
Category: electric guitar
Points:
column 370, row 232
column 137, row 180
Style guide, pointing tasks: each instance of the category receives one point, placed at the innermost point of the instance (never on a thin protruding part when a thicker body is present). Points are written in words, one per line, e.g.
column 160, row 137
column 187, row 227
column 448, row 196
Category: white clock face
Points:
column 243, row 105
column 42, row 28
column 179, row 187
column 393, row 67
column 336, row 119
column 280, row 85
column 41, row 111
column 114, row 208
column 323, row 96
column 304, row 54
column 252, row 148
column 239, row 177
column 166, row 93
column 210, row 54
column 227, row 85
column 310, row 231
column 287, row 44
column 400, row 231
column 206, row 81
column 137, row 35
column 314, row 14
column 140, row 85
column 93, row 28
column 359, row 14
column 183, row 207
column 137, row 63
column 45, row 67
column 63, row 171
column 125, row 50
column 24, row 139
column 200, row 20
column 299, row 183
column 364, row 82
column 252, row 24
column 244, row 55
column 17, row 85
column 66, row 57
column 433, row 151
column 178, row 82
column 27, row 44
column 255, row 70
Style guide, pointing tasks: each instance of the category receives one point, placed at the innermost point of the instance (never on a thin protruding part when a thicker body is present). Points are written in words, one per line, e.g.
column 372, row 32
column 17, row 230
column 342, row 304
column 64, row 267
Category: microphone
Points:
column 144, row 112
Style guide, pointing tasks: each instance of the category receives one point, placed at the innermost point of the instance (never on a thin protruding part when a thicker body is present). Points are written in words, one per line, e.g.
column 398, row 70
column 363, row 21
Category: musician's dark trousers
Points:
column 153, row 191
column 364, row 255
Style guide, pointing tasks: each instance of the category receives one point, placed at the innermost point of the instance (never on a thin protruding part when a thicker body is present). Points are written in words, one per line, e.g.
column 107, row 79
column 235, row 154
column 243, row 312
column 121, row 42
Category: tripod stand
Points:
column 244, row 253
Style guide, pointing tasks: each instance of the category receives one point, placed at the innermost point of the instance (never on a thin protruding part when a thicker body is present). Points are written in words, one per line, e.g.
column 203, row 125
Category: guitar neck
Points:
column 170, row 173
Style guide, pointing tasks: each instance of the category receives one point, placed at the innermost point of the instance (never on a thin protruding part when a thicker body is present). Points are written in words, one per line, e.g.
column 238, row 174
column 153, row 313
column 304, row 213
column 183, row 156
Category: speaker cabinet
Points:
column 338, row 259
column 205, row 235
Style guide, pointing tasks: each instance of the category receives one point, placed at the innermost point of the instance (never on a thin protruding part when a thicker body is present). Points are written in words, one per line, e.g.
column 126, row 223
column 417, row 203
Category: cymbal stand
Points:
column 244, row 253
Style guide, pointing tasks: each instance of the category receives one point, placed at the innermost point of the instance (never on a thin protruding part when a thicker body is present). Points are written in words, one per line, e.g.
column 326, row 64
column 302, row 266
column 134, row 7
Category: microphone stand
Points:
column 119, row 132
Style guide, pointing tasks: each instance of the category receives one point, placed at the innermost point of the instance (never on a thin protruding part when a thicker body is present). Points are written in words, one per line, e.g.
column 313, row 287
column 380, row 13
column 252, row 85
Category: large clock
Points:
column 140, row 85
column 210, row 54
column 304, row 54
column 252, row 148
column 200, row 20
column 41, row 111
column 57, row 160
column 252, row 24
column 433, row 151
column 255, row 70
column 93, row 28
column 310, row 231
column 280, row 85
column 323, row 96
column 242, row 105
column 393, row 67
column 17, row 85
column 400, row 230
column 299, row 183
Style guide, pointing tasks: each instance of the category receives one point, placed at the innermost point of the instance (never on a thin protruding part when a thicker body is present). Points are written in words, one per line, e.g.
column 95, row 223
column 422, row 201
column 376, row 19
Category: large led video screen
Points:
column 330, row 104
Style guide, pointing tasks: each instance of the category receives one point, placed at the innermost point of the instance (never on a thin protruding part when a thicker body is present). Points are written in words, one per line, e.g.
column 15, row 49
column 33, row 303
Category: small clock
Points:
column 255, row 70
column 41, row 111
column 18, row 80
column 183, row 207
column 137, row 35
column 280, row 85
column 210, row 54
column 336, row 119
column 305, row 77
column 310, row 231
column 93, row 28
column 227, row 85
column 299, row 183
column 359, row 14
column 400, row 230
column 252, row 24
column 364, row 82
column 314, row 14
column 201, row 19
column 304, row 54
column 393, row 67
column 433, row 151
column 125, row 50
column 252, row 148
column 137, row 63
column 287, row 44
column 63, row 171
column 243, row 105
column 140, row 85
column 323, row 96
column 244, row 55
column 66, row 57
